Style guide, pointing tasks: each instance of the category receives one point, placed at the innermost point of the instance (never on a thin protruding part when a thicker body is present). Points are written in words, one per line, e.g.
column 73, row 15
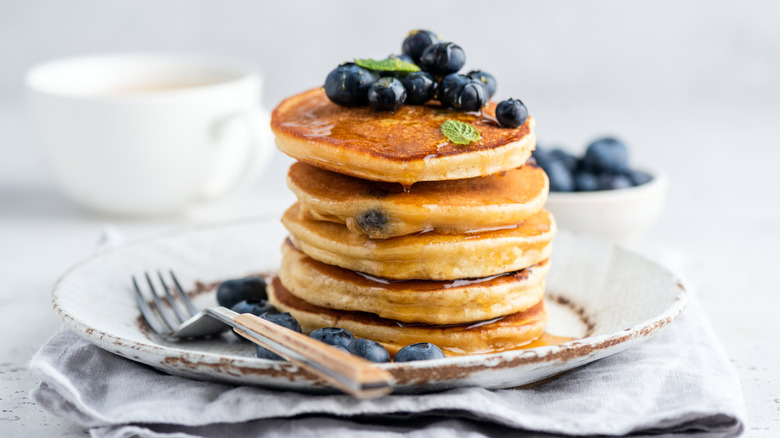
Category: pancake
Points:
column 381, row 210
column 505, row 333
column 426, row 256
column 424, row 301
column 406, row 146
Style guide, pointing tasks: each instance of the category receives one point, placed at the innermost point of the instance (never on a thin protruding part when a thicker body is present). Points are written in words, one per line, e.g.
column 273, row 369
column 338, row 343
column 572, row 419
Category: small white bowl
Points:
column 622, row 215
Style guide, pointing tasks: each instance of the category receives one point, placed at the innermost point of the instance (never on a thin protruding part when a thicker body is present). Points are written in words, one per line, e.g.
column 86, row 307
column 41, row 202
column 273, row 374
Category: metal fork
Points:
column 179, row 319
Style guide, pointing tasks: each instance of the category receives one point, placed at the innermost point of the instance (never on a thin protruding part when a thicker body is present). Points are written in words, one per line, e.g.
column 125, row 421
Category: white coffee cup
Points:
column 149, row 134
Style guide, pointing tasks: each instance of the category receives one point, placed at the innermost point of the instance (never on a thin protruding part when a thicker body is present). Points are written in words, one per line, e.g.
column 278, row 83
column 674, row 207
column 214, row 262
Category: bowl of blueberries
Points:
column 599, row 193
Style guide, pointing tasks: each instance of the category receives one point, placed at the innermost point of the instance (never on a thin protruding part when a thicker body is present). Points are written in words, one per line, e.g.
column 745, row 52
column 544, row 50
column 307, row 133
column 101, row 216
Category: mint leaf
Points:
column 389, row 64
column 459, row 132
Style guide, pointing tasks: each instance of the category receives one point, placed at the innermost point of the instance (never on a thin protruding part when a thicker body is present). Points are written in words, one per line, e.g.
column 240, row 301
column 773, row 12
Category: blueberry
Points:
column 386, row 94
column 348, row 85
column 283, row 319
column 421, row 351
column 569, row 160
column 613, row 181
column 255, row 307
column 416, row 42
column 450, row 86
column 333, row 336
column 471, row 97
column 420, row 87
column 230, row 292
column 372, row 220
column 511, row 113
column 561, row 179
column 486, row 78
column 369, row 350
column 442, row 59
column 585, row 181
column 638, row 177
column 264, row 353
column 541, row 155
column 606, row 155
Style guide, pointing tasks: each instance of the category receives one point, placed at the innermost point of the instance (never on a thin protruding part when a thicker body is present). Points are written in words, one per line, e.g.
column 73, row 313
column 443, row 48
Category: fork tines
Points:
column 164, row 318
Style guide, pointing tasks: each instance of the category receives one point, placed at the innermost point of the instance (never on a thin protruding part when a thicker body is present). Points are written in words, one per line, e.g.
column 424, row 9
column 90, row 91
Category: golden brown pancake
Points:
column 424, row 301
column 505, row 333
column 381, row 209
column 426, row 256
column 406, row 146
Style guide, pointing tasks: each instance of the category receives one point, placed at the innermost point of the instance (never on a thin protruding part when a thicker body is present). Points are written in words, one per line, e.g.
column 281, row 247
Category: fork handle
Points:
column 351, row 374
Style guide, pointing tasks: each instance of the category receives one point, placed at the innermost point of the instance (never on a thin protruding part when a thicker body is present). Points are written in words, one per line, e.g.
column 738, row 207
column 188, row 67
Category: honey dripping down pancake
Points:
column 421, row 301
column 426, row 256
column 501, row 334
column 405, row 146
column 381, row 209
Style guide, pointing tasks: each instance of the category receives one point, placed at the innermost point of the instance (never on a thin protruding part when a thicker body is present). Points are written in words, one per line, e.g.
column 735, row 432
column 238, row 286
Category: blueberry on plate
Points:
column 333, row 336
column 369, row 350
column 606, row 154
column 230, row 292
column 416, row 42
column 442, row 59
column 283, row 319
column 472, row 96
column 264, row 353
column 638, row 177
column 486, row 78
column 386, row 94
column 450, row 87
column 421, row 351
column 585, row 181
column 348, row 84
column 613, row 181
column 420, row 87
column 568, row 159
column 511, row 113
column 254, row 306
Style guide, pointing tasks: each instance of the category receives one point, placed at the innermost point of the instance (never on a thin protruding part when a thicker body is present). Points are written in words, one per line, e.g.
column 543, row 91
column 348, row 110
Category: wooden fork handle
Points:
column 351, row 374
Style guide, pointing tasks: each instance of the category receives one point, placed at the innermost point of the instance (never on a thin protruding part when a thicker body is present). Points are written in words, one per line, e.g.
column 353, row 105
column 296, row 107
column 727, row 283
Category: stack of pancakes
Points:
column 401, row 236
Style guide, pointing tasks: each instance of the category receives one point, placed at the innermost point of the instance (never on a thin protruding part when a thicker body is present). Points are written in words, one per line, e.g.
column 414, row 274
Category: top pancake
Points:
column 405, row 147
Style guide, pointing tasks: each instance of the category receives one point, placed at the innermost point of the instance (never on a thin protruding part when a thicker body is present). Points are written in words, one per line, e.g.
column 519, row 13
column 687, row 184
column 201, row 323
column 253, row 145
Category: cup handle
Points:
column 236, row 162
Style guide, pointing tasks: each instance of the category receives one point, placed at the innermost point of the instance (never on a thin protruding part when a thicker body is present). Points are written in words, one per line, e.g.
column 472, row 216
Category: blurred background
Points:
column 692, row 87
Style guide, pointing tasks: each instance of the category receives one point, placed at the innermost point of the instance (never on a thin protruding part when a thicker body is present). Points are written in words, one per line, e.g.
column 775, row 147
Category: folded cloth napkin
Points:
column 678, row 382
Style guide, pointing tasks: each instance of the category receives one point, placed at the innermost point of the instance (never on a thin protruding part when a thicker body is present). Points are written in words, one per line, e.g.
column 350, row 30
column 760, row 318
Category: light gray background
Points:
column 692, row 87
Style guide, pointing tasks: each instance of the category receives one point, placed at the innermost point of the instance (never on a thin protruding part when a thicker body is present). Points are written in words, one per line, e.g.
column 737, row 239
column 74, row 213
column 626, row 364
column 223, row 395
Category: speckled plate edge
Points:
column 499, row 370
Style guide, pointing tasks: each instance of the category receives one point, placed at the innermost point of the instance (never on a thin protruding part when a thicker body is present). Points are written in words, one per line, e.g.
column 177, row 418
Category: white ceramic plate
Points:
column 612, row 297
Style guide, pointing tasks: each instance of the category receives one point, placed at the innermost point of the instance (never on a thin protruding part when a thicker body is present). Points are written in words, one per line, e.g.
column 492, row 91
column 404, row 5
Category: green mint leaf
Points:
column 389, row 64
column 459, row 132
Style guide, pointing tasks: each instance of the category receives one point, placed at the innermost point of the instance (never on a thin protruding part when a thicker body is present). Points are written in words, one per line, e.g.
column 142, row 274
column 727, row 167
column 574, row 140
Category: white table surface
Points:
column 721, row 223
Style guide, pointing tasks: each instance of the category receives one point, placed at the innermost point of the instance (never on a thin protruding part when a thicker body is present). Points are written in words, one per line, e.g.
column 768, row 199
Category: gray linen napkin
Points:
column 679, row 381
